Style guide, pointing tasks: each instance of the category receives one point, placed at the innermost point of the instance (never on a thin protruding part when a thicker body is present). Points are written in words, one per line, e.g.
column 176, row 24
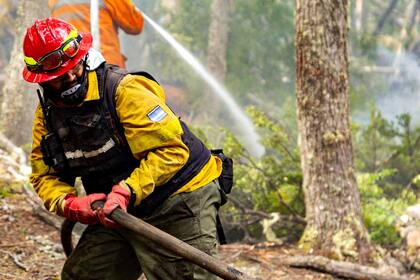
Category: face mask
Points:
column 71, row 96
column 77, row 93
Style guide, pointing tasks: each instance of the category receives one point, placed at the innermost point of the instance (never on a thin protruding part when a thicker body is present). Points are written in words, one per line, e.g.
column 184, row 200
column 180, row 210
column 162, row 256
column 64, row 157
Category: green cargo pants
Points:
column 121, row 254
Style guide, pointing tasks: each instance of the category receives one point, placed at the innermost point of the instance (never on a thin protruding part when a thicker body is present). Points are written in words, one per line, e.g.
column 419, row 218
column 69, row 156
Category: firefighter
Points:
column 113, row 15
column 114, row 131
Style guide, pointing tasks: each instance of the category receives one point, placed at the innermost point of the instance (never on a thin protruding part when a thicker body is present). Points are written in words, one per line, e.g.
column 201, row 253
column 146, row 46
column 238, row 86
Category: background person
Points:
column 113, row 15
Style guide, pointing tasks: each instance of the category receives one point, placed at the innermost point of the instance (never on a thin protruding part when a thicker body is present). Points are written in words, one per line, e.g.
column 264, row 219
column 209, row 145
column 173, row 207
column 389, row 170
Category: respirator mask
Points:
column 73, row 95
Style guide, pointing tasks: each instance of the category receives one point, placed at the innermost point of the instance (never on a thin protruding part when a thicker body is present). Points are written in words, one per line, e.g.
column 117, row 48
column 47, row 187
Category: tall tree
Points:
column 332, row 201
column 216, row 47
column 358, row 16
column 385, row 16
column 19, row 98
column 218, row 36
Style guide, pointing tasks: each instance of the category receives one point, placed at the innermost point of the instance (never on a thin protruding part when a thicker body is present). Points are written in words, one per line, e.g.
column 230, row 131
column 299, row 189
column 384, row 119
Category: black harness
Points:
column 92, row 144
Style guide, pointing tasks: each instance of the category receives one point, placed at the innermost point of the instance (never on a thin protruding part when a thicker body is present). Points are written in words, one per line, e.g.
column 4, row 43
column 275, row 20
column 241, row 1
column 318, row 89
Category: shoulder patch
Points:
column 157, row 114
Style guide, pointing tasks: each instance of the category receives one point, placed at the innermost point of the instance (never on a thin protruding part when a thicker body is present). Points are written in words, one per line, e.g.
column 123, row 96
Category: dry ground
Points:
column 30, row 249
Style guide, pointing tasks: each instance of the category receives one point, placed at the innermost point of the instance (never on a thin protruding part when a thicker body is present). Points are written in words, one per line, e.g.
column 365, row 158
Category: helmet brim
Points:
column 41, row 77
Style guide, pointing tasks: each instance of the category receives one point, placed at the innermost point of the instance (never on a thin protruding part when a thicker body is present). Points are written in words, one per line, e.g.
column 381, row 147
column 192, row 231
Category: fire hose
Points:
column 165, row 240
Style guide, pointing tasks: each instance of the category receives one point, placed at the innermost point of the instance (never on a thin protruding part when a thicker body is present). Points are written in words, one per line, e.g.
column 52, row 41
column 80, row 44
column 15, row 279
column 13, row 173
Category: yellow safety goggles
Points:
column 56, row 58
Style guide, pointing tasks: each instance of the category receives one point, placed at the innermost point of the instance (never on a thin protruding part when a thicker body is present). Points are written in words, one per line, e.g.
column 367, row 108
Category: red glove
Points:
column 79, row 209
column 118, row 197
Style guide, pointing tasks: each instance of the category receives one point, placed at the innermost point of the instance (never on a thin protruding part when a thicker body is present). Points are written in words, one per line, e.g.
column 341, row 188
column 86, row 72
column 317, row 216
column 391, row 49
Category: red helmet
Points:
column 51, row 48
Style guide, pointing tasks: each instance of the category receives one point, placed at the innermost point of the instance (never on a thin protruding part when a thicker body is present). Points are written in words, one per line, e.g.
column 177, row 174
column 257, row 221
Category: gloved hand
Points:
column 118, row 197
column 79, row 209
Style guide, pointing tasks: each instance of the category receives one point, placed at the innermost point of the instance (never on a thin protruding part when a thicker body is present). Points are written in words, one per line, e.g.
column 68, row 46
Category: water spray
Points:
column 94, row 24
column 246, row 127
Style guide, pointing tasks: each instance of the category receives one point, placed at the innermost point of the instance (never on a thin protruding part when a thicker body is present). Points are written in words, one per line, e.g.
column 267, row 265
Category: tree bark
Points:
column 19, row 98
column 333, row 212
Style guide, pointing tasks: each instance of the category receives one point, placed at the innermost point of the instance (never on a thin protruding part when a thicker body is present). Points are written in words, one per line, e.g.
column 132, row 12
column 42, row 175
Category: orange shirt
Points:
column 113, row 14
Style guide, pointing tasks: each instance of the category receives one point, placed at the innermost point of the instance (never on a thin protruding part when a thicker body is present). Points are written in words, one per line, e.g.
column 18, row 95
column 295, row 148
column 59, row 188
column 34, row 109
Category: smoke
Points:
column 402, row 92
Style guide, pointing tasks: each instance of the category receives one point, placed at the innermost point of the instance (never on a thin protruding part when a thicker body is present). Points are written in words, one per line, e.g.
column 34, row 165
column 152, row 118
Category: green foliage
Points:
column 260, row 52
column 387, row 155
column 368, row 183
column 6, row 189
column 380, row 213
column 189, row 26
column 271, row 183
column 416, row 180
column 261, row 71
column 4, row 192
column 262, row 39
column 382, row 144
column 260, row 62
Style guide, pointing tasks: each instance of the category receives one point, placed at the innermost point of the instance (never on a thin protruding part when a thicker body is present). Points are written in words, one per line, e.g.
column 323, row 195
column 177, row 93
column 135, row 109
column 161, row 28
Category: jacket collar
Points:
column 93, row 88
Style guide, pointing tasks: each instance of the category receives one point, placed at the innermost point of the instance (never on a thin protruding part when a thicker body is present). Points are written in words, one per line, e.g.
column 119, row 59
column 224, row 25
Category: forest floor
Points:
column 30, row 249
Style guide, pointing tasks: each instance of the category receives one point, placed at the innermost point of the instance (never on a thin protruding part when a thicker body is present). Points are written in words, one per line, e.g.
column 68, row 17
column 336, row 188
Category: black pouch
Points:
column 226, row 178
column 52, row 152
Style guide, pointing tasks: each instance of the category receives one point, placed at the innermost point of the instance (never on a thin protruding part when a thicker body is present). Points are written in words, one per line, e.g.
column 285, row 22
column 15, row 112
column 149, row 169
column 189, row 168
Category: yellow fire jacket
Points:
column 113, row 14
column 158, row 145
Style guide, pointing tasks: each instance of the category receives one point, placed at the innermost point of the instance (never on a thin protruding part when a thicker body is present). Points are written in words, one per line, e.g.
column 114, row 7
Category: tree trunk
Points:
column 217, row 40
column 333, row 213
column 358, row 16
column 385, row 16
column 414, row 17
column 19, row 97
column 216, row 48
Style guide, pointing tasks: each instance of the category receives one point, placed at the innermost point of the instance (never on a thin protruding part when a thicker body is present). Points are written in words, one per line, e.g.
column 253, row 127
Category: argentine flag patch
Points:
column 157, row 114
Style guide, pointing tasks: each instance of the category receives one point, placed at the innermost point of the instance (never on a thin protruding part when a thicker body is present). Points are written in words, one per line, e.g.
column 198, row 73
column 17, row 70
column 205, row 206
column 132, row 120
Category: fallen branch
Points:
column 338, row 268
column 16, row 259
